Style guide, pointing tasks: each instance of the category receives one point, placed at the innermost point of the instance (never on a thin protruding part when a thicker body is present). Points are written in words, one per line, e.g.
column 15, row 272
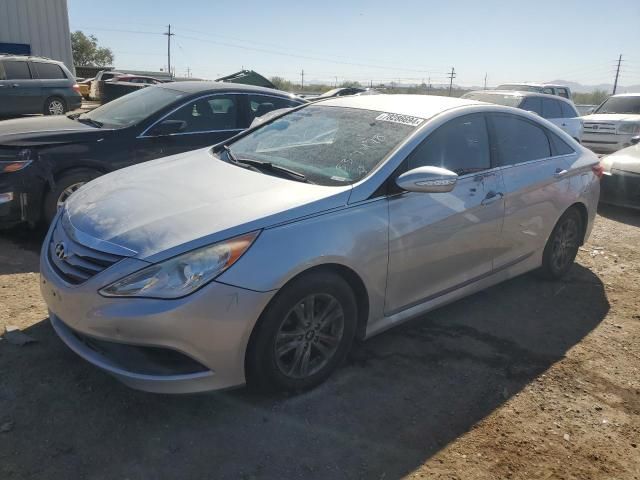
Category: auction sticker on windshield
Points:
column 403, row 119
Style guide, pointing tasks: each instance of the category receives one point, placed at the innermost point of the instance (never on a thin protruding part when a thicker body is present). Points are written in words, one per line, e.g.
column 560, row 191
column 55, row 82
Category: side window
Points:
column 532, row 104
column 48, row 71
column 563, row 92
column 261, row 104
column 568, row 111
column 16, row 70
column 461, row 145
column 560, row 147
column 517, row 140
column 551, row 108
column 548, row 91
column 219, row 112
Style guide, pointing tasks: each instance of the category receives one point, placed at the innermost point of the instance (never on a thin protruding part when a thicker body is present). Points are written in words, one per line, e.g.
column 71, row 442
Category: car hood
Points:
column 35, row 131
column 611, row 117
column 163, row 207
column 627, row 160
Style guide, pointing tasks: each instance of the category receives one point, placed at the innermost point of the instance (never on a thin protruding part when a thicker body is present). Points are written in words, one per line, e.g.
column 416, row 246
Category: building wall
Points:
column 42, row 24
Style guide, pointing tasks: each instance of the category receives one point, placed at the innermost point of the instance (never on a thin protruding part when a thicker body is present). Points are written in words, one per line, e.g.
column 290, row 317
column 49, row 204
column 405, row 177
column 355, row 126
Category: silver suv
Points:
column 36, row 85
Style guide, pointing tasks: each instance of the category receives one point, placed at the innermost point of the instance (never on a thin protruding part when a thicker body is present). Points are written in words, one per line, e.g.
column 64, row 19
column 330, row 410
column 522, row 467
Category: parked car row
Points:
column 43, row 160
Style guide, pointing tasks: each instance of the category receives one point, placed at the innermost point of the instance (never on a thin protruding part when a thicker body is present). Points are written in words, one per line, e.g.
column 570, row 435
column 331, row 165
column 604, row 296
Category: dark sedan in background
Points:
column 43, row 160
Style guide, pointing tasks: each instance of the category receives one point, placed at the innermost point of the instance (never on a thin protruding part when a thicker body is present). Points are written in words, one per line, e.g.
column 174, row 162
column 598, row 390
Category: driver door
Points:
column 439, row 242
column 207, row 121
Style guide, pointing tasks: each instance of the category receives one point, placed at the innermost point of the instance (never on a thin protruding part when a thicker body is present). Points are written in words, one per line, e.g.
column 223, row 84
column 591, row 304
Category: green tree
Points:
column 592, row 98
column 87, row 53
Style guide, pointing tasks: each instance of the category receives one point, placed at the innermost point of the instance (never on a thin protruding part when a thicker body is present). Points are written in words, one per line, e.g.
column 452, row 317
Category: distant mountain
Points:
column 608, row 87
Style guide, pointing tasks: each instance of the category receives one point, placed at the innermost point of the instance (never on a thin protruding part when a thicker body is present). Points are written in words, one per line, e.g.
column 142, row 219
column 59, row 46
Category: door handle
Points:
column 560, row 173
column 492, row 197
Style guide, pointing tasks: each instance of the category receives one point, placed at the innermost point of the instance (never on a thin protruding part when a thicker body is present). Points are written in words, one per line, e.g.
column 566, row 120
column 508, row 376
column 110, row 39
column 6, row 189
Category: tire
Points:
column 64, row 186
column 54, row 106
column 562, row 246
column 284, row 340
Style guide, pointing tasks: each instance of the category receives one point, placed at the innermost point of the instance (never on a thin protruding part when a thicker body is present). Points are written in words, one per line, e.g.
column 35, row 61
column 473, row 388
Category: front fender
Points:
column 355, row 237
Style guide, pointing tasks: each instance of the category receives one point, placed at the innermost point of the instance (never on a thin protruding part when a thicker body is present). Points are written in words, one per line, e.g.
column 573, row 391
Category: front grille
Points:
column 599, row 127
column 76, row 263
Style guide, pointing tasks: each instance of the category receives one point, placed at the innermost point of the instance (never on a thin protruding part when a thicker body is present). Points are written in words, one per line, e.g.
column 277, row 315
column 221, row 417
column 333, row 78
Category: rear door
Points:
column 443, row 241
column 207, row 121
column 261, row 104
column 20, row 91
column 556, row 112
column 534, row 170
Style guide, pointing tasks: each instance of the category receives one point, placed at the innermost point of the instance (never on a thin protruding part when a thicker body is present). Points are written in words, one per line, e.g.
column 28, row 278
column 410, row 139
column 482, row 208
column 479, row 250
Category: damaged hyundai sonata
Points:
column 260, row 261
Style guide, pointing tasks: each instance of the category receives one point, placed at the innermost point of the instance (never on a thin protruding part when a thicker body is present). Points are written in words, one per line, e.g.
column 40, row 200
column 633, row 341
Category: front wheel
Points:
column 64, row 187
column 303, row 335
column 562, row 246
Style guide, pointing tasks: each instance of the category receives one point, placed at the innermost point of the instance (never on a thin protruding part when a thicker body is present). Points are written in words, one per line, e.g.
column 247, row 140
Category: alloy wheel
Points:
column 55, row 107
column 66, row 193
column 309, row 336
column 564, row 245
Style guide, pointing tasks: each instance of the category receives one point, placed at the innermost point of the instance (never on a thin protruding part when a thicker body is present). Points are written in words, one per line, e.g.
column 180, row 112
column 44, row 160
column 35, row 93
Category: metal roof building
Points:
column 36, row 27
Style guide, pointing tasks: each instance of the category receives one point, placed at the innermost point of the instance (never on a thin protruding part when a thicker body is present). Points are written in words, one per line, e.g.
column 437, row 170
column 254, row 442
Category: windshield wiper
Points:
column 90, row 121
column 259, row 165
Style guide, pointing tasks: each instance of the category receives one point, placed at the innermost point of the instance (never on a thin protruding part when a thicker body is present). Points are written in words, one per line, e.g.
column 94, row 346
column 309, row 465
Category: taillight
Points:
column 598, row 170
column 76, row 87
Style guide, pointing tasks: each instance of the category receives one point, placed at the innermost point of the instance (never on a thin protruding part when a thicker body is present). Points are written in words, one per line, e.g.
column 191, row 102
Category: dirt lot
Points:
column 527, row 380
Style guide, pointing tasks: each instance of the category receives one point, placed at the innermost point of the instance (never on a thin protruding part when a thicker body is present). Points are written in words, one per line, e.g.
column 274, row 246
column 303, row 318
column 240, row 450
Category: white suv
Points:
column 613, row 124
column 557, row 110
column 548, row 88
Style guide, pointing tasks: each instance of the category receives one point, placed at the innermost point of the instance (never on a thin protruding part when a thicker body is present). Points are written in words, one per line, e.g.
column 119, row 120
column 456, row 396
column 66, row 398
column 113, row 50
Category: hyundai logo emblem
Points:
column 60, row 251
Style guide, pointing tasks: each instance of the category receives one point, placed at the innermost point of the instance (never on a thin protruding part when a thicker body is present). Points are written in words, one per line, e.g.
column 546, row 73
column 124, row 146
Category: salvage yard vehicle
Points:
column 613, row 124
column 548, row 88
column 44, row 160
column 262, row 259
column 621, row 179
column 36, row 85
column 557, row 110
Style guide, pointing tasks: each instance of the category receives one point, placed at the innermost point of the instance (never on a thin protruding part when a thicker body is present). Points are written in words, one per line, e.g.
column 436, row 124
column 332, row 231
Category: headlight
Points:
column 23, row 158
column 184, row 274
column 629, row 128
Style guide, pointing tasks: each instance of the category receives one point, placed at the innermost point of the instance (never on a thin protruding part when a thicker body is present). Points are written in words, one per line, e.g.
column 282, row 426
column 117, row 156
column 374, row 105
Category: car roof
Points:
column 203, row 86
column 518, row 93
column 535, row 84
column 423, row 106
column 633, row 94
column 7, row 56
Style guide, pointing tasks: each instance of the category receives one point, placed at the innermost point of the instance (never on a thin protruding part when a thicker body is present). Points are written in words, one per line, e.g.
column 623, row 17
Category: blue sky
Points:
column 379, row 41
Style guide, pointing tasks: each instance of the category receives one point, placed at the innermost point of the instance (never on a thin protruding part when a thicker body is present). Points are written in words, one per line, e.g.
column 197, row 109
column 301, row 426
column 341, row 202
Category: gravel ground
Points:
column 527, row 380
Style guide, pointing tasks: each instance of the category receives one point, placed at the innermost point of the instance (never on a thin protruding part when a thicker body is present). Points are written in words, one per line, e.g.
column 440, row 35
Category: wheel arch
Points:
column 69, row 170
column 584, row 216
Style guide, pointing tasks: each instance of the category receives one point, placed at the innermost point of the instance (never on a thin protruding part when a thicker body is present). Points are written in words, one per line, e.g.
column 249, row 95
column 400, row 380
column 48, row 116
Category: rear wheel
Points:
column 64, row 187
column 562, row 246
column 303, row 335
column 55, row 106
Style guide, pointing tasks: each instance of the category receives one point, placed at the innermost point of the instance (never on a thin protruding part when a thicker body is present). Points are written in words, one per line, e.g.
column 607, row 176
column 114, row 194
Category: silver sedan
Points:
column 263, row 259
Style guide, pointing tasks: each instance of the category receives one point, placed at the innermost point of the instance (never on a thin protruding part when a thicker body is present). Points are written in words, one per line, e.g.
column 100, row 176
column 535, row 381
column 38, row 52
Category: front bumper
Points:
column 210, row 328
column 620, row 188
column 606, row 142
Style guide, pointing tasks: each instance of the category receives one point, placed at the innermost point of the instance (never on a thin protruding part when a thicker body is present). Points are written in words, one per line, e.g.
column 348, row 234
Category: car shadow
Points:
column 20, row 249
column 620, row 214
column 401, row 397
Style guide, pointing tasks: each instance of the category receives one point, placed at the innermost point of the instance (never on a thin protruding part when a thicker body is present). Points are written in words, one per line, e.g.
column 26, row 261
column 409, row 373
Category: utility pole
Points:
column 615, row 83
column 169, row 35
column 188, row 72
column 302, row 80
column 452, row 75
column 336, row 84
column 429, row 86
column 485, row 81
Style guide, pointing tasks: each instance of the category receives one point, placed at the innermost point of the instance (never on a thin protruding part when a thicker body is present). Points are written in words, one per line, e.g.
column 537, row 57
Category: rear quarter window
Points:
column 48, row 71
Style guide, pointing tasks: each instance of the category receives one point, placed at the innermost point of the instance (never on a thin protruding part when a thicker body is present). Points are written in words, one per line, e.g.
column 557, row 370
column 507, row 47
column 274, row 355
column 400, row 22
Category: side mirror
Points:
column 168, row 127
column 591, row 110
column 635, row 140
column 427, row 180
column 535, row 113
